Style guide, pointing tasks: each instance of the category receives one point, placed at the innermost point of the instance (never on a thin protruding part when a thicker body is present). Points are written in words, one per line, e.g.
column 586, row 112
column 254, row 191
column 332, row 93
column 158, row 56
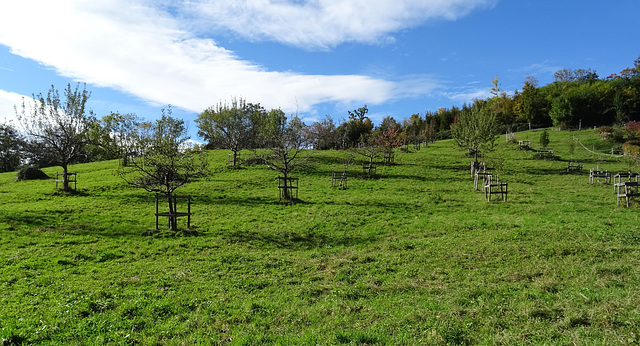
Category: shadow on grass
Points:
column 294, row 239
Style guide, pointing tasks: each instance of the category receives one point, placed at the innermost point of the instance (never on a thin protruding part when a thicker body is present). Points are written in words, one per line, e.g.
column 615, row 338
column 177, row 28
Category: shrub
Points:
column 31, row 173
column 631, row 148
column 544, row 138
column 632, row 129
column 605, row 132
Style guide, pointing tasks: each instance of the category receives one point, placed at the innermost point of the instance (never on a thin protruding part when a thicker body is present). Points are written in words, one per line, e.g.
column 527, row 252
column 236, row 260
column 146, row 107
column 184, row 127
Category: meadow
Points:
column 416, row 256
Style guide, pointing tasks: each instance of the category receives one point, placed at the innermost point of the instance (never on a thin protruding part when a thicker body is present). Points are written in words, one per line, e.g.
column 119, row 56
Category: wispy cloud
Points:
column 151, row 52
column 537, row 69
column 322, row 24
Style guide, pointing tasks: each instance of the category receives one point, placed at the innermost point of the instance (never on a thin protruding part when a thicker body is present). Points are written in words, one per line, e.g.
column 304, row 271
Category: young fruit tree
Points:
column 370, row 148
column 163, row 161
column 475, row 129
column 58, row 127
column 287, row 146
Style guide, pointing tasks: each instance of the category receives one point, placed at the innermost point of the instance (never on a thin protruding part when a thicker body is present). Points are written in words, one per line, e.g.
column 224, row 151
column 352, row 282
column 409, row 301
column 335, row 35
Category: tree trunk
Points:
column 173, row 220
column 370, row 165
column 286, row 193
column 235, row 155
column 65, row 178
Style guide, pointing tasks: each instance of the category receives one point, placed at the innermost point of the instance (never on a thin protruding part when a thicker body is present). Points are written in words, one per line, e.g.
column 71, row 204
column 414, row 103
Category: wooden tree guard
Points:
column 287, row 187
column 482, row 179
column 510, row 136
column 574, row 166
column 524, row 145
column 596, row 175
column 389, row 158
column 544, row 153
column 618, row 179
column 496, row 189
column 73, row 180
column 339, row 178
column 630, row 190
column 416, row 146
column 175, row 214
column 230, row 158
column 477, row 166
column 368, row 169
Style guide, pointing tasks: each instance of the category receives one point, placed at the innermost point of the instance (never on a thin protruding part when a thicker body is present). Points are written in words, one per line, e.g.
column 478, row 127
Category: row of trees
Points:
column 60, row 130
column 575, row 98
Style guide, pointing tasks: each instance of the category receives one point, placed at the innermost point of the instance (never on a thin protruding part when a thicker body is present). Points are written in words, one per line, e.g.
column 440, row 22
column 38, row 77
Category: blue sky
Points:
column 318, row 57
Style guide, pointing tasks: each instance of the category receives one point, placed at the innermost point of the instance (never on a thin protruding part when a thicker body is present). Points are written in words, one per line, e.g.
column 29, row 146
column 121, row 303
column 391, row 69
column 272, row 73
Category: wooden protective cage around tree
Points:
column 287, row 188
column 496, row 189
column 368, row 169
column 339, row 178
column 174, row 214
column 389, row 158
column 71, row 178
column 627, row 190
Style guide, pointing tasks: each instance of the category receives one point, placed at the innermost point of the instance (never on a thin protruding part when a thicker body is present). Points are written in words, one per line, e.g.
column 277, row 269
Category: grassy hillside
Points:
column 414, row 257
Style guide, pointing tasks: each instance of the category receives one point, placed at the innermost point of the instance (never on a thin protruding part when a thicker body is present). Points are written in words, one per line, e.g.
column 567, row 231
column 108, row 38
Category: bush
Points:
column 31, row 173
column 544, row 138
column 632, row 130
column 605, row 132
column 631, row 148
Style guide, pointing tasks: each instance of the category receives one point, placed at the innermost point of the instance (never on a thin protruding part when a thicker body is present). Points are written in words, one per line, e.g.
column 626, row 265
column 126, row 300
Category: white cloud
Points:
column 149, row 52
column 8, row 103
column 321, row 24
column 469, row 95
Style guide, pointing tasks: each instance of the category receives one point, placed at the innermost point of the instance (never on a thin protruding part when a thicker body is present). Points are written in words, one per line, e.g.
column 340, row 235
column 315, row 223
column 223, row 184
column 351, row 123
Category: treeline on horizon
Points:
column 575, row 99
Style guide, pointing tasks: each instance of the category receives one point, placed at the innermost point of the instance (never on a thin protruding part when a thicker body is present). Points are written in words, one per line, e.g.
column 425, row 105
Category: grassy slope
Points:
column 414, row 257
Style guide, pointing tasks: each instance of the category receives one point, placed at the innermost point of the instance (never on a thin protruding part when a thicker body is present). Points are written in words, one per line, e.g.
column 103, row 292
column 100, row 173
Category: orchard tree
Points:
column 163, row 160
column 288, row 148
column 58, row 126
column 475, row 129
column 370, row 148
column 231, row 127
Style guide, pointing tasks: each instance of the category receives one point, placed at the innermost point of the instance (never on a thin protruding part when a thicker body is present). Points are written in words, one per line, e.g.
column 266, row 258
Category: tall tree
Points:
column 323, row 134
column 357, row 126
column 231, row 127
column 11, row 146
column 59, row 126
column 121, row 131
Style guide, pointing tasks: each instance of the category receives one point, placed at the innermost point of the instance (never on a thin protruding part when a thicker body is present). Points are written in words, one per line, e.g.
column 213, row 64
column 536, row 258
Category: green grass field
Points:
column 414, row 257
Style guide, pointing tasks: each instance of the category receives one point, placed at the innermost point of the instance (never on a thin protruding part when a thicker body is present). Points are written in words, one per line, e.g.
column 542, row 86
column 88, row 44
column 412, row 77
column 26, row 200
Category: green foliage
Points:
column 357, row 128
column 11, row 147
column 234, row 127
column 476, row 129
column 631, row 148
column 163, row 161
column 544, row 138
